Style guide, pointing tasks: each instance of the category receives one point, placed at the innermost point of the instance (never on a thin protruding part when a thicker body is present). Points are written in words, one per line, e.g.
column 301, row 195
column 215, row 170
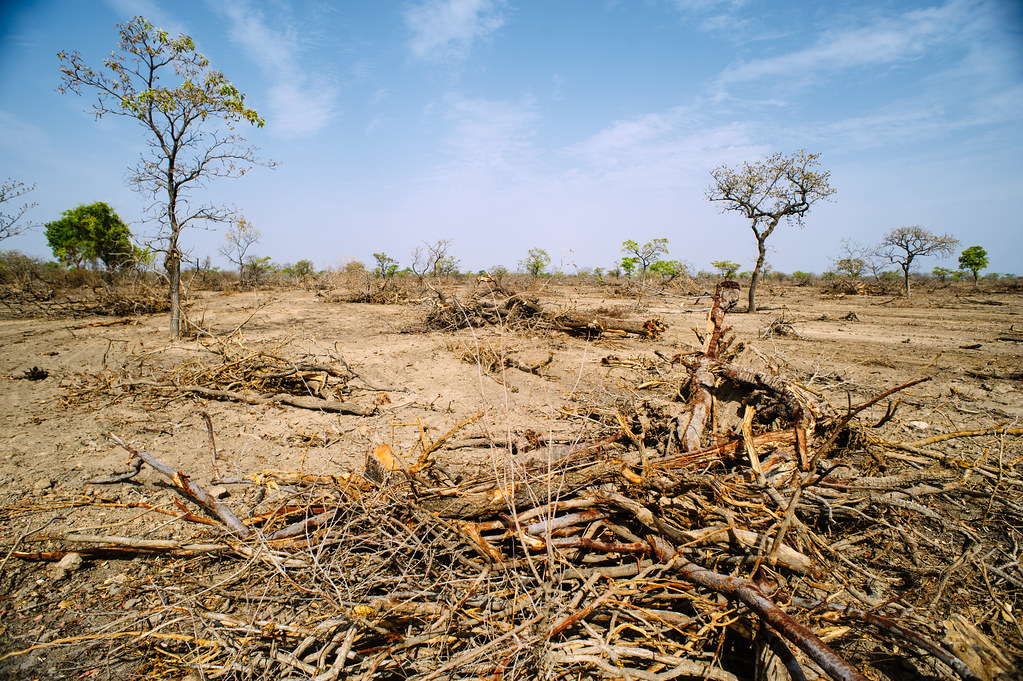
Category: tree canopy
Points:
column 90, row 234
column 777, row 188
column 973, row 259
column 535, row 262
column 903, row 245
column 169, row 89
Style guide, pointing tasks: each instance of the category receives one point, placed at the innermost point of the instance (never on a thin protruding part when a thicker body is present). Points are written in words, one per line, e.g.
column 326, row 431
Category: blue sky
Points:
column 568, row 125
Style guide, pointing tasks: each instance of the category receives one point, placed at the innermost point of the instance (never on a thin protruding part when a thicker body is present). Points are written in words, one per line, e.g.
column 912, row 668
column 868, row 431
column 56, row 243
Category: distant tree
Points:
column 433, row 259
column 942, row 273
column 644, row 256
column 259, row 269
column 903, row 245
column 628, row 265
column 535, row 262
column 852, row 261
column 304, row 268
column 726, row 268
column 386, row 265
column 90, row 234
column 973, row 259
column 239, row 238
column 185, row 148
column 668, row 269
column 802, row 278
column 9, row 215
column 776, row 188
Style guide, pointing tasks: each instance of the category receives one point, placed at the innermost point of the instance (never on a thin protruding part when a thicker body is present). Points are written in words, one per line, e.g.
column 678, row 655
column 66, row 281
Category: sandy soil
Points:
column 53, row 431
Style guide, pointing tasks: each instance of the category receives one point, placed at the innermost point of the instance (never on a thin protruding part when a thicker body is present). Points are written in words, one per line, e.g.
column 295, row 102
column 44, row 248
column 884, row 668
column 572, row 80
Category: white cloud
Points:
column 489, row 138
column 149, row 9
column 449, row 29
column 887, row 40
column 662, row 150
column 302, row 102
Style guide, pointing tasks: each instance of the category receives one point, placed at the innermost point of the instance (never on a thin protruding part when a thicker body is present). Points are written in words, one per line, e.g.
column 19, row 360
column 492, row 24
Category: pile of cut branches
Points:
column 495, row 307
column 657, row 551
column 227, row 369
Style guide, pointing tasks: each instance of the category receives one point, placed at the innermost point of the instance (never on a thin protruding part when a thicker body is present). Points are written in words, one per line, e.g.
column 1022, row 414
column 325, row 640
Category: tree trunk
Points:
column 173, row 265
column 755, row 277
column 905, row 278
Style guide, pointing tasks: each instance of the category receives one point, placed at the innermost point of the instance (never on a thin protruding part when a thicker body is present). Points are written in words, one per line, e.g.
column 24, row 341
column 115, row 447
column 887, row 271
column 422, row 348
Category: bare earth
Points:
column 54, row 430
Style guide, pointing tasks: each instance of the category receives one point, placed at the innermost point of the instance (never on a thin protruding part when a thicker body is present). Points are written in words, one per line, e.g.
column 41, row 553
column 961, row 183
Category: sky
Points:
column 566, row 125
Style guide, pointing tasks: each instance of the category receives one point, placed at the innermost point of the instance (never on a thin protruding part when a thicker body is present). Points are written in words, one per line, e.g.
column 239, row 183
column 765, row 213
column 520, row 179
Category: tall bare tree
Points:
column 10, row 216
column 903, row 245
column 169, row 89
column 777, row 188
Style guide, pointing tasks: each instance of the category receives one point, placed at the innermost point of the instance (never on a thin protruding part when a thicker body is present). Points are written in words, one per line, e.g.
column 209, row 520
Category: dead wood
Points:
column 314, row 403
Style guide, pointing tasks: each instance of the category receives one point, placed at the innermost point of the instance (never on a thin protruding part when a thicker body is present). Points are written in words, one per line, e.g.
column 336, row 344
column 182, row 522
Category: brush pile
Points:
column 737, row 533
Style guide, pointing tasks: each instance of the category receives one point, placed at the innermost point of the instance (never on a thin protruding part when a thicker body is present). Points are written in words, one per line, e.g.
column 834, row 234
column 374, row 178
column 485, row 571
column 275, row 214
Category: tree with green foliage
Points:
column 726, row 268
column 942, row 273
column 668, row 269
column 973, row 259
column 90, row 234
column 386, row 265
column 535, row 262
column 903, row 245
column 304, row 269
column 777, row 188
column 643, row 256
column 802, row 278
column 170, row 90
column 628, row 265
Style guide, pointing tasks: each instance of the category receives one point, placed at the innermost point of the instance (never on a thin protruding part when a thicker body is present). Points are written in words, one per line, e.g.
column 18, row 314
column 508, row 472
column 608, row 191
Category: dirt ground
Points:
column 53, row 429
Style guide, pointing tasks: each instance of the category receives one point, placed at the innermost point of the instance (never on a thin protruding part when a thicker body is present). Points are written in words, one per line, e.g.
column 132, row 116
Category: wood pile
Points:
column 664, row 549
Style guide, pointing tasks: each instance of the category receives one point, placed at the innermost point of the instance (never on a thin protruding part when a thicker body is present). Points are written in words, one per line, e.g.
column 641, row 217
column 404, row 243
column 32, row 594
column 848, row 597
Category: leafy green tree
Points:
column 903, row 245
column 726, row 268
column 90, row 234
column 628, row 265
column 802, row 278
column 644, row 256
column 535, row 262
column 304, row 268
column 942, row 273
column 973, row 259
column 9, row 216
column 668, row 269
column 259, row 269
column 386, row 265
column 170, row 90
column 776, row 188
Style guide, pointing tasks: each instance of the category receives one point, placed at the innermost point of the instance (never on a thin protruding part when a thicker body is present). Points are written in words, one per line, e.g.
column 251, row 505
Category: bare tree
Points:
column 852, row 261
column 905, row 244
column 768, row 191
column 239, row 238
column 9, row 191
column 433, row 259
column 185, row 148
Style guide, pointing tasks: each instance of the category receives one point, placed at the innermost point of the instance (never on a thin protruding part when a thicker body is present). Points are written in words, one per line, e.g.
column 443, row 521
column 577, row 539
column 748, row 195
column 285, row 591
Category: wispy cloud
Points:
column 888, row 40
column 448, row 30
column 489, row 139
column 302, row 101
column 669, row 149
column 151, row 10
